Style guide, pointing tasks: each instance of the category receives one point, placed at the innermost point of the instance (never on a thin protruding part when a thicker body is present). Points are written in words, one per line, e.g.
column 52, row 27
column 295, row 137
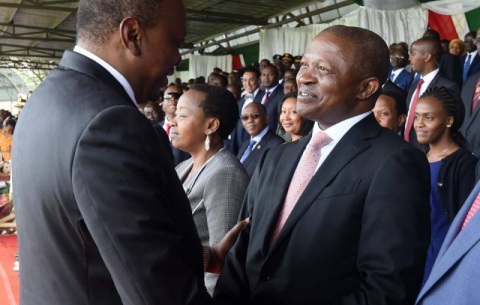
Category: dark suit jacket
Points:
column 358, row 234
column 102, row 218
column 269, row 140
column 438, row 81
column 471, row 124
column 474, row 66
column 403, row 80
column 451, row 68
column 273, row 106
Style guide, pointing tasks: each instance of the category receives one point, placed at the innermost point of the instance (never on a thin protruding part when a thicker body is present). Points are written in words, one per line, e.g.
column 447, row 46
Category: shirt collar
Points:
column 259, row 136
column 430, row 76
column 119, row 77
column 473, row 54
column 398, row 71
column 271, row 89
column 337, row 131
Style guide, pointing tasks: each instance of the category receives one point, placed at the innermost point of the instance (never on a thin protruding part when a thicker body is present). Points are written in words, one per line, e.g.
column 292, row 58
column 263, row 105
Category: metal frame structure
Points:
column 35, row 33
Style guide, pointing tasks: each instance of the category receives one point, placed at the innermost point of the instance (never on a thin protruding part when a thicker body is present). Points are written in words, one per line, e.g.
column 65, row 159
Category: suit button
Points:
column 447, row 212
column 468, row 130
column 440, row 183
column 265, row 276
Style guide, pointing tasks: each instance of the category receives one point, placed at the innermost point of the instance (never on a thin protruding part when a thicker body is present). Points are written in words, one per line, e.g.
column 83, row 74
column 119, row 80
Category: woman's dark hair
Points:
column 454, row 107
column 221, row 104
column 12, row 123
column 307, row 125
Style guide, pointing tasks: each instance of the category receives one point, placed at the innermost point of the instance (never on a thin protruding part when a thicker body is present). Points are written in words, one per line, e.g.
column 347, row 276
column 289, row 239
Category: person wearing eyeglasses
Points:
column 255, row 121
column 471, row 61
column 399, row 75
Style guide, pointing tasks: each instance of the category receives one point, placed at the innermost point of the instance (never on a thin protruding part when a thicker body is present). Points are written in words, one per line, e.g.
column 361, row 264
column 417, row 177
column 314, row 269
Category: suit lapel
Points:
column 347, row 149
column 468, row 104
column 281, row 180
column 258, row 149
column 456, row 243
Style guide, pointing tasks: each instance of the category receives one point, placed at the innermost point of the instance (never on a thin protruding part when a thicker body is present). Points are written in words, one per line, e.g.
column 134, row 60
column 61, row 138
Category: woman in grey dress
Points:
column 214, row 179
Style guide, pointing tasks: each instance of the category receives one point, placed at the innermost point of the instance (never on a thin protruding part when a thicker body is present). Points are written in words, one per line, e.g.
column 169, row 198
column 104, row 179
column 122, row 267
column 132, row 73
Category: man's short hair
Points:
column 262, row 107
column 221, row 104
column 432, row 33
column 274, row 68
column 222, row 79
column 98, row 19
column 370, row 56
column 251, row 69
column 400, row 97
column 430, row 45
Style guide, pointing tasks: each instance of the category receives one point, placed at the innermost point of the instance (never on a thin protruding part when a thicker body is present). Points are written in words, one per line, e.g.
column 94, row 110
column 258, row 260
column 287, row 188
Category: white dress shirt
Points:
column 336, row 133
column 271, row 90
column 259, row 137
column 472, row 56
column 396, row 73
column 249, row 100
column 427, row 79
column 119, row 77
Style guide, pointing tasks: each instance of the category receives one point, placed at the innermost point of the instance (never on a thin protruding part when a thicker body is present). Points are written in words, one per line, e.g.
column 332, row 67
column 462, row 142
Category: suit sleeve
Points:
column 396, row 216
column 121, row 188
column 465, row 181
column 232, row 286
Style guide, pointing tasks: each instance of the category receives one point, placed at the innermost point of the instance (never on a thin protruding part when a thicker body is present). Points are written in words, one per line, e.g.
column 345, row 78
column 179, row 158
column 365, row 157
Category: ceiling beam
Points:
column 232, row 17
column 42, row 39
column 224, row 21
column 272, row 25
column 29, row 47
column 42, row 6
column 22, row 26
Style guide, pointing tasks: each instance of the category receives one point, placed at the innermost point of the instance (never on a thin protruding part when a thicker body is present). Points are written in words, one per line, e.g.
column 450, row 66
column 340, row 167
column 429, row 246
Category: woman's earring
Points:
column 448, row 126
column 207, row 141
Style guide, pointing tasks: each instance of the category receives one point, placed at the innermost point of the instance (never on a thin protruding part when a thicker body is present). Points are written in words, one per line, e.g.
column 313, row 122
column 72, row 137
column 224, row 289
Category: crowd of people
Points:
column 335, row 177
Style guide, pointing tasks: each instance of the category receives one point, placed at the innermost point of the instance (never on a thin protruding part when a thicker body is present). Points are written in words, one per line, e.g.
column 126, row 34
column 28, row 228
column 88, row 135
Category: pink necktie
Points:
column 168, row 128
column 475, row 207
column 476, row 96
column 266, row 98
column 302, row 176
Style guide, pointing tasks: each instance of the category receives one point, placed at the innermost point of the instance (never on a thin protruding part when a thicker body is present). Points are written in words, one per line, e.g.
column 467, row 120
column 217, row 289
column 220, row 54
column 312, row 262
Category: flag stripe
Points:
column 443, row 24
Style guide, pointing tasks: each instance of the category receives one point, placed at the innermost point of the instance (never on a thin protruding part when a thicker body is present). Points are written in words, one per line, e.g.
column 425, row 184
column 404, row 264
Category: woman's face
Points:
column 289, row 118
column 455, row 49
column 431, row 121
column 189, row 127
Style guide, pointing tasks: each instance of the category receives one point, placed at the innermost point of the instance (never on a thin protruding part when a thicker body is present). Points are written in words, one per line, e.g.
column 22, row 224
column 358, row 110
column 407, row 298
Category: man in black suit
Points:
column 424, row 58
column 471, row 124
column 250, row 81
column 272, row 95
column 102, row 216
column 471, row 61
column 255, row 122
column 353, row 227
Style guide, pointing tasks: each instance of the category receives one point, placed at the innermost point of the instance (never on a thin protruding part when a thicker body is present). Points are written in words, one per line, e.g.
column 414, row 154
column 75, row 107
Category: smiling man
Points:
column 342, row 215
column 102, row 217
column 255, row 121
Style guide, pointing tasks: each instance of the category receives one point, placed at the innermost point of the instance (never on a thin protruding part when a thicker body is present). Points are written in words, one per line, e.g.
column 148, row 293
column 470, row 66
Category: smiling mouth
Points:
column 307, row 94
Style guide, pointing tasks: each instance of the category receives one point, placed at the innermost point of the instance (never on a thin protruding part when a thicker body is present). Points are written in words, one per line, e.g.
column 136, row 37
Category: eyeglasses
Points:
column 397, row 57
column 254, row 116
column 476, row 40
column 168, row 96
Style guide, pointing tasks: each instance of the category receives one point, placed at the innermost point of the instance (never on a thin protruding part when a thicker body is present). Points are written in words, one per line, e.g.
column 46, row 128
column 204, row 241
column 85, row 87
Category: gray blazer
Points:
column 456, row 273
column 216, row 196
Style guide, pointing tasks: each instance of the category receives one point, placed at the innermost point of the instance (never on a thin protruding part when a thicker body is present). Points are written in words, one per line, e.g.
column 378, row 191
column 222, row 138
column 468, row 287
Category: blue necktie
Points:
column 248, row 151
column 417, row 77
column 466, row 67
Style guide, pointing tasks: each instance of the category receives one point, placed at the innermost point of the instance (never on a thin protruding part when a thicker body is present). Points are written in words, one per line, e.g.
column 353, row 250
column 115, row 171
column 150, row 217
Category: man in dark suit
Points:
column 471, row 124
column 340, row 216
column 272, row 95
column 424, row 57
column 255, row 122
column 102, row 217
column 399, row 75
column 250, row 82
column 449, row 64
column 471, row 61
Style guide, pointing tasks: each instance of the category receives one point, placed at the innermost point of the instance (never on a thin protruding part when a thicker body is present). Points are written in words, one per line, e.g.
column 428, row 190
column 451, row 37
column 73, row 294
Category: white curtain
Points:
column 183, row 75
column 203, row 65
column 393, row 26
column 390, row 4
column 284, row 40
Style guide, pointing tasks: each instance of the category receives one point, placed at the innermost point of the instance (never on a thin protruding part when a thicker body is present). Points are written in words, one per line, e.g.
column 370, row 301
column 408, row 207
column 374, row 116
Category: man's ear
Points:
column 369, row 87
column 427, row 57
column 131, row 34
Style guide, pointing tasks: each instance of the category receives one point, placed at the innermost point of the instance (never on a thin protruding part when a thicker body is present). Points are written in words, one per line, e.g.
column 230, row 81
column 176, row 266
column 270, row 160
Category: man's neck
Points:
column 428, row 70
